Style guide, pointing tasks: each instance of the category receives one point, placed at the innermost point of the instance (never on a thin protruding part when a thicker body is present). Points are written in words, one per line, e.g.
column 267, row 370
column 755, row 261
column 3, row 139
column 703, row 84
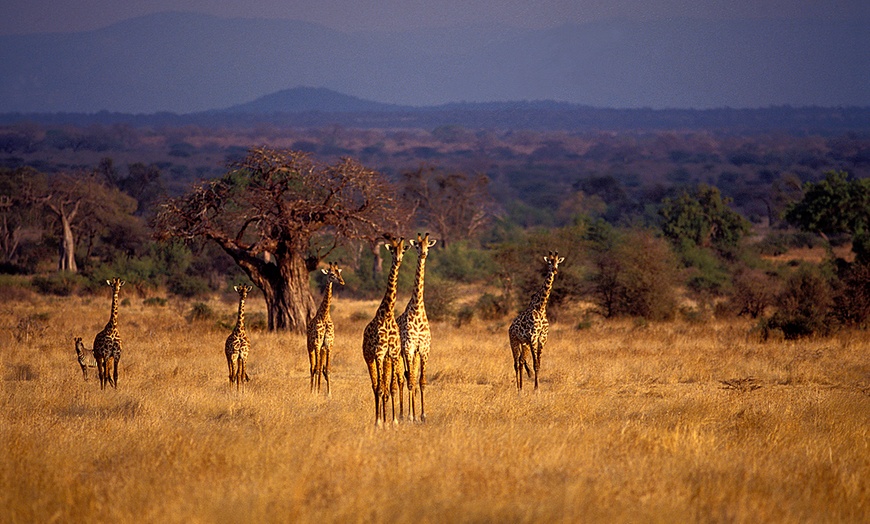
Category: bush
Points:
column 635, row 275
column 491, row 307
column 804, row 307
column 61, row 284
column 187, row 286
column 439, row 299
column 852, row 300
column 200, row 311
column 753, row 292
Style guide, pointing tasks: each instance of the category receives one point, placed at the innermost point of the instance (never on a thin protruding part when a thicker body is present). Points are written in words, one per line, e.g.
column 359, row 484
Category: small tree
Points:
column 634, row 273
column 702, row 218
column 836, row 205
column 278, row 214
column 80, row 203
column 454, row 206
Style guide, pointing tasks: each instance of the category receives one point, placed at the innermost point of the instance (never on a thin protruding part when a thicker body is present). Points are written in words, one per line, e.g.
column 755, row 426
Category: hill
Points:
column 185, row 63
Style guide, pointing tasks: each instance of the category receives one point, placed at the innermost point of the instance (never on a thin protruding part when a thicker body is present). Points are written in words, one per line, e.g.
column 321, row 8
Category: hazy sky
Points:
column 37, row 16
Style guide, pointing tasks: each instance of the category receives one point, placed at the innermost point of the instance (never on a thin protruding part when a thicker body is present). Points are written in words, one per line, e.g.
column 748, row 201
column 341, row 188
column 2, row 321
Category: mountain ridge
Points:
column 186, row 63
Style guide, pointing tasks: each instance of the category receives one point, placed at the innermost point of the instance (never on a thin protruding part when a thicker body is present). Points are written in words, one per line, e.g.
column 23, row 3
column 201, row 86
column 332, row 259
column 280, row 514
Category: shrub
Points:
column 200, row 311
column 491, row 307
column 187, row 286
column 804, row 307
column 852, row 301
column 62, row 283
column 635, row 275
column 753, row 292
column 440, row 296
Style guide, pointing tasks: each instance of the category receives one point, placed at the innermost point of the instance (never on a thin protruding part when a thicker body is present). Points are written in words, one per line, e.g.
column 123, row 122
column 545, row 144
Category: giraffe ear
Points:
column 560, row 260
column 546, row 260
column 236, row 288
column 109, row 282
column 339, row 270
column 432, row 243
column 325, row 272
column 122, row 282
column 412, row 242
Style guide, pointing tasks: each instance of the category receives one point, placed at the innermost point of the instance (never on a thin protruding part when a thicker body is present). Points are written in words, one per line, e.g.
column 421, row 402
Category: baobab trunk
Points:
column 67, row 247
column 288, row 296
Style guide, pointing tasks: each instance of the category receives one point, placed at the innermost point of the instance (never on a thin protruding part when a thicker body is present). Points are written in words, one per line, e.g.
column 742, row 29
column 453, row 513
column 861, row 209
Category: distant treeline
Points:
column 539, row 116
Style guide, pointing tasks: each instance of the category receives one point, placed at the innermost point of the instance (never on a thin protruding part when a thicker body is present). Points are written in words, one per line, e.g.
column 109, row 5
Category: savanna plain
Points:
column 633, row 422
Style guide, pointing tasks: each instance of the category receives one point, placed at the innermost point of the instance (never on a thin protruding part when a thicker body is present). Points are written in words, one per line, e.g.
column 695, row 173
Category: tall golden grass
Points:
column 632, row 423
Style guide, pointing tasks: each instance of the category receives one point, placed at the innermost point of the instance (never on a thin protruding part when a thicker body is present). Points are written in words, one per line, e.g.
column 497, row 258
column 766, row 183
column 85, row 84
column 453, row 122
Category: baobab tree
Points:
column 278, row 213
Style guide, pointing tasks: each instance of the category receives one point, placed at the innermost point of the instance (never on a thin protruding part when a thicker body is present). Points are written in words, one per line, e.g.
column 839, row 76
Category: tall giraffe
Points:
column 321, row 332
column 381, row 342
column 415, row 334
column 528, row 332
column 107, row 343
column 237, row 345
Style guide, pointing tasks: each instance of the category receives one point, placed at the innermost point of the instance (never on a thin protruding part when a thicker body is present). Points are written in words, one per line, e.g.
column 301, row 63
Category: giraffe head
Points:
column 333, row 274
column 422, row 244
column 116, row 283
column 242, row 290
column 553, row 260
column 396, row 247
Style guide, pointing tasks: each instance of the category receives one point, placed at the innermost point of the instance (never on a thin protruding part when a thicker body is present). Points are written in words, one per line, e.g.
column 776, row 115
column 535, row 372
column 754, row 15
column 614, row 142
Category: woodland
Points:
column 718, row 213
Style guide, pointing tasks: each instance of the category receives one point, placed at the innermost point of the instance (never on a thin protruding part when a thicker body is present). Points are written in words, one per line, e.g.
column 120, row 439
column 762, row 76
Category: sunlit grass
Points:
column 632, row 423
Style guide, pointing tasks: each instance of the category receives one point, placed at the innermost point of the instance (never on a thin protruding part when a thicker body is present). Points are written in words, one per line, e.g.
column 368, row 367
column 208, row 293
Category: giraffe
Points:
column 414, row 333
column 321, row 332
column 237, row 345
column 528, row 332
column 82, row 356
column 107, row 343
column 381, row 342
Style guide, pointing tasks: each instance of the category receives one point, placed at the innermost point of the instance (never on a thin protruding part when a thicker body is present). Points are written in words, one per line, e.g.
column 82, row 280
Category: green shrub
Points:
column 187, row 286
column 61, row 284
column 200, row 311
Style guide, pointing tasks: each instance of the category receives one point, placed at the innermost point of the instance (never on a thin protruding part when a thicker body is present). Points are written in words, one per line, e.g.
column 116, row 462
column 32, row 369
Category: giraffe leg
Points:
column 374, row 374
column 393, row 386
column 241, row 374
column 536, row 363
column 326, row 353
column 231, row 368
column 399, row 376
column 422, row 381
column 115, row 361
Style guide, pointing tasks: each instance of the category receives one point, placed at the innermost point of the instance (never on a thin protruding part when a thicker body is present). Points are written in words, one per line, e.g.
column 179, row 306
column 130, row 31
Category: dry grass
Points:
column 632, row 423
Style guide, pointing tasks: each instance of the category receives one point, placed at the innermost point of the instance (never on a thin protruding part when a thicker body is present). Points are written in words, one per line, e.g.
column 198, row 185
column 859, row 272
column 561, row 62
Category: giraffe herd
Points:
column 395, row 350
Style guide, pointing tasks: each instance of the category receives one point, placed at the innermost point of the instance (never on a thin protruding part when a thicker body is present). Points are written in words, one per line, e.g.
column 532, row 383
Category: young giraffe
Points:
column 381, row 343
column 528, row 332
column 107, row 343
column 415, row 334
column 237, row 345
column 82, row 356
column 321, row 332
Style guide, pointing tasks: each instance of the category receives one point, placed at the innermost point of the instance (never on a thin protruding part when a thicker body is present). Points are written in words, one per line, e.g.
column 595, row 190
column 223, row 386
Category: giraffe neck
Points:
column 240, row 324
column 323, row 311
column 389, row 302
column 113, row 318
column 417, row 297
column 540, row 299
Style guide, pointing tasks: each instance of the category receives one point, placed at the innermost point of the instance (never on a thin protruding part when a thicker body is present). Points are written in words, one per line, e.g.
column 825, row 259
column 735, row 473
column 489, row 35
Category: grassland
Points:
column 632, row 424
